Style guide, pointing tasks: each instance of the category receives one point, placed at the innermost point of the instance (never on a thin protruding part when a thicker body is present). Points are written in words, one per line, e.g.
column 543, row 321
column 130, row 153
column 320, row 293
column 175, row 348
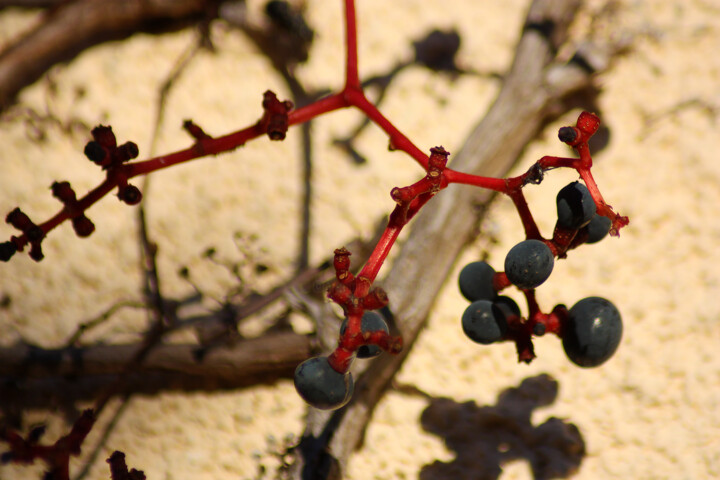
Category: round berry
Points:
column 483, row 322
column 529, row 263
column 567, row 134
column 593, row 332
column 371, row 322
column 476, row 281
column 322, row 386
column 598, row 228
column 507, row 306
column 575, row 206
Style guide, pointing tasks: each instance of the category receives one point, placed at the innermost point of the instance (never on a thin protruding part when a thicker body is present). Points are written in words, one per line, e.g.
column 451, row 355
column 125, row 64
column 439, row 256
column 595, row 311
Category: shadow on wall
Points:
column 487, row 437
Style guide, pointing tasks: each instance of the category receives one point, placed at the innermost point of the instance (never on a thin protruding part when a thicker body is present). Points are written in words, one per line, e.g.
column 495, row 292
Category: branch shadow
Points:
column 485, row 438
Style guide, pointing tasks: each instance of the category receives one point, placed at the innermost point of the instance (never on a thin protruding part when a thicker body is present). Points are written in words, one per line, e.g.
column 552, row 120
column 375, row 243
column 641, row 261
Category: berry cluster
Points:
column 591, row 330
column 323, row 387
column 325, row 382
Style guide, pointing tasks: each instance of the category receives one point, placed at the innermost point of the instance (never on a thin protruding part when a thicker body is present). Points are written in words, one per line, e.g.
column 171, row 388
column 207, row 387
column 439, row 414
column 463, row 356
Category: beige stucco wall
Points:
column 650, row 412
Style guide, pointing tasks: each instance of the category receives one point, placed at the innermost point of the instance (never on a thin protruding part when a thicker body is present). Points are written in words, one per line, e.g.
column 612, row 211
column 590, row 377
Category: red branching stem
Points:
column 531, row 228
column 317, row 108
column 548, row 162
column 352, row 78
column 410, row 200
column 618, row 221
column 82, row 204
column 231, row 141
column 496, row 184
column 378, row 256
column 398, row 140
column 205, row 145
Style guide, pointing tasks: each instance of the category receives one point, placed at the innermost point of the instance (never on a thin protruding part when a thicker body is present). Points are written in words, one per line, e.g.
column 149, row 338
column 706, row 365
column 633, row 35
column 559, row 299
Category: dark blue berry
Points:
column 529, row 263
column 507, row 306
column 322, row 386
column 575, row 206
column 371, row 322
column 567, row 134
column 593, row 332
column 483, row 322
column 476, row 281
column 598, row 228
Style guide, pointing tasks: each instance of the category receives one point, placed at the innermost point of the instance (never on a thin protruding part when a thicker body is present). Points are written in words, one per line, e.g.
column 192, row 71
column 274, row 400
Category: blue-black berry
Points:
column 598, row 228
column 593, row 332
column 476, row 281
column 508, row 307
column 371, row 322
column 322, row 386
column 567, row 134
column 484, row 322
column 529, row 263
column 575, row 206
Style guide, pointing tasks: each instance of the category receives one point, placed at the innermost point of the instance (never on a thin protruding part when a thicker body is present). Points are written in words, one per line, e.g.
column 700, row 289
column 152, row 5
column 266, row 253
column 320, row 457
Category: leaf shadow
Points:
column 485, row 438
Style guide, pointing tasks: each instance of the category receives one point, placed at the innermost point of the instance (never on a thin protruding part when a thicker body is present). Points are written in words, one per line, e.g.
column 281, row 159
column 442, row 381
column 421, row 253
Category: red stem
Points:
column 352, row 78
column 378, row 256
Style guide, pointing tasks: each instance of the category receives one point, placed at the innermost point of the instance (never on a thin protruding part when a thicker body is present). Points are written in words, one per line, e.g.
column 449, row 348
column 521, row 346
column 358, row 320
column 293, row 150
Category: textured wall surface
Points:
column 650, row 412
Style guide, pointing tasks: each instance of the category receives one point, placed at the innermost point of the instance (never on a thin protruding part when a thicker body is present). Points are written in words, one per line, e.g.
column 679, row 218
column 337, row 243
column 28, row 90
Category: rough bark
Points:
column 34, row 376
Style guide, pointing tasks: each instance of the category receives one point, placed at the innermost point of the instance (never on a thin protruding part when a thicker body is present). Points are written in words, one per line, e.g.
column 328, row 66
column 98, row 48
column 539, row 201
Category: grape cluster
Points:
column 486, row 319
column 591, row 330
column 323, row 387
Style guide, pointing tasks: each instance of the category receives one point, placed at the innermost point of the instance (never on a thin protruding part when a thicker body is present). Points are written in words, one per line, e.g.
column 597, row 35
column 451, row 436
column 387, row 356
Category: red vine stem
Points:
column 352, row 78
